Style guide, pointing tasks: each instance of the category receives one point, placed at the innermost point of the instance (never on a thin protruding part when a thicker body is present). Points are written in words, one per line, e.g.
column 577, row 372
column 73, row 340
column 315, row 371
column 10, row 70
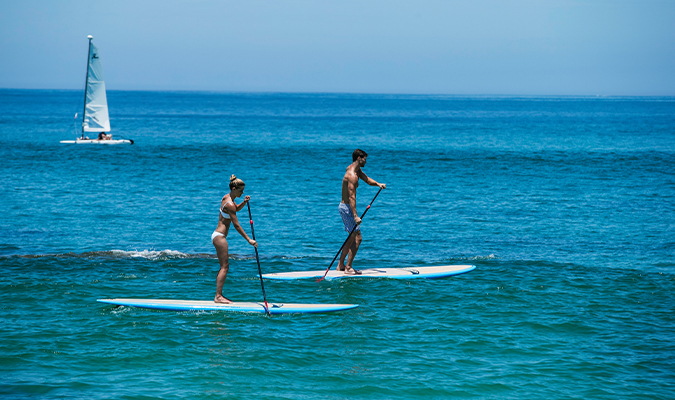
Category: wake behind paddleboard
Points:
column 194, row 305
column 393, row 273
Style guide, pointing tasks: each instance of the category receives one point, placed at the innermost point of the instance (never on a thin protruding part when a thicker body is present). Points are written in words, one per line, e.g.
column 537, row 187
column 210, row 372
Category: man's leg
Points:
column 346, row 250
column 352, row 253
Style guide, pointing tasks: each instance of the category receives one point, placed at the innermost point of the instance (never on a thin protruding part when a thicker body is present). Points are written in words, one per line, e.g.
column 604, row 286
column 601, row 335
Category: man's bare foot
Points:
column 222, row 299
column 352, row 271
column 340, row 267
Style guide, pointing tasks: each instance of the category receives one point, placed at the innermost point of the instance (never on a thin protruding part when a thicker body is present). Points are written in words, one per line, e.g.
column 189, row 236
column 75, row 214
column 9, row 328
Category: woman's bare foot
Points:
column 222, row 299
column 352, row 271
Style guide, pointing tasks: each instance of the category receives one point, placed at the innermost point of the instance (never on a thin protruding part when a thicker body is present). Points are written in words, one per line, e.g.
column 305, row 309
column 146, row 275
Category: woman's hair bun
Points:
column 236, row 183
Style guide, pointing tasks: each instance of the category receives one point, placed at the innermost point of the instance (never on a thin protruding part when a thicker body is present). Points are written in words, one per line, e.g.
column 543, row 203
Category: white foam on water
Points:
column 490, row 257
column 150, row 254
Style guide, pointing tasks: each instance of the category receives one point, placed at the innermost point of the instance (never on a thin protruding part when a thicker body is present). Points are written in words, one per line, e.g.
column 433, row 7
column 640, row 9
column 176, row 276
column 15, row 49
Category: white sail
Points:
column 96, row 104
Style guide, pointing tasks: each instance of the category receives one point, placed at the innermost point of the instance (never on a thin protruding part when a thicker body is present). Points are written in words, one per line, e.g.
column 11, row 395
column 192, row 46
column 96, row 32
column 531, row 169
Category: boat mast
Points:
column 86, row 84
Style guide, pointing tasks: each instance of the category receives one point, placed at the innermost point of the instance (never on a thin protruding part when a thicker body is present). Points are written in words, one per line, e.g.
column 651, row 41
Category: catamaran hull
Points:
column 94, row 141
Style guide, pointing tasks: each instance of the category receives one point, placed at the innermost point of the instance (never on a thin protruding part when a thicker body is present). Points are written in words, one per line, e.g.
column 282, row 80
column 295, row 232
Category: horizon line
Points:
column 346, row 93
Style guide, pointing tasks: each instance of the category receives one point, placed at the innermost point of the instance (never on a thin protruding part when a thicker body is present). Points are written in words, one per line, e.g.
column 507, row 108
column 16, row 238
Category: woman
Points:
column 228, row 214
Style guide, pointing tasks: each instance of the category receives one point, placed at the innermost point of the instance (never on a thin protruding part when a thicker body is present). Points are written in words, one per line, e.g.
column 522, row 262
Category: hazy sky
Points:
column 542, row 47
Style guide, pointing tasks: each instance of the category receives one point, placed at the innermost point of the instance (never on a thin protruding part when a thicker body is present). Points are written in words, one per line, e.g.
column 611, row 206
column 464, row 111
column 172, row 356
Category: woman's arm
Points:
column 239, row 229
column 237, row 226
column 243, row 203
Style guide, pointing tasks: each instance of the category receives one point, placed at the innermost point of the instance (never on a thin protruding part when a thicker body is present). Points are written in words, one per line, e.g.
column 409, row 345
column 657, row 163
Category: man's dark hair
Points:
column 358, row 153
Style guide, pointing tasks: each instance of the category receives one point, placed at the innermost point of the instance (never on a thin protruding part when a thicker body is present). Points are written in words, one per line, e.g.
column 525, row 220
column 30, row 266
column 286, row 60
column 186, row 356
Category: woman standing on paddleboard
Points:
column 228, row 214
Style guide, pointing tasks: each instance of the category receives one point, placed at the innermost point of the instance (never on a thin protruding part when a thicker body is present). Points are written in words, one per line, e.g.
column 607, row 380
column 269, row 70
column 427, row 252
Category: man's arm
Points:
column 351, row 189
column 371, row 181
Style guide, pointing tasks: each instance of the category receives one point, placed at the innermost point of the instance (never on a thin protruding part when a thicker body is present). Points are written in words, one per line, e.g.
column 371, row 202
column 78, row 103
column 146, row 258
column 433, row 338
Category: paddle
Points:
column 257, row 258
column 350, row 235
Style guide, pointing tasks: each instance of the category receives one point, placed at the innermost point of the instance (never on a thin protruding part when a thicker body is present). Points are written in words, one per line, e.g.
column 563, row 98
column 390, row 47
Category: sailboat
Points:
column 95, row 120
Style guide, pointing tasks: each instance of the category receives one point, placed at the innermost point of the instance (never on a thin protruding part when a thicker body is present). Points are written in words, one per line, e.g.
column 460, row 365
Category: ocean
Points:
column 565, row 205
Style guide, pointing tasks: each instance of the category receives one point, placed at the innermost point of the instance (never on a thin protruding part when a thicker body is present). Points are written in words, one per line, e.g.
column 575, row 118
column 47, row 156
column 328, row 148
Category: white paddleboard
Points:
column 194, row 305
column 393, row 273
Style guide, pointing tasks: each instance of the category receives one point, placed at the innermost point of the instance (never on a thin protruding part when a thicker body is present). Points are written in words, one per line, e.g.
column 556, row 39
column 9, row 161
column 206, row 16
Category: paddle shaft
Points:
column 257, row 258
column 350, row 235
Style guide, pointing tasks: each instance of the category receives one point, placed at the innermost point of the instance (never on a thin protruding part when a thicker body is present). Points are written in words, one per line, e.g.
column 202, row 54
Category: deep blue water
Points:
column 565, row 205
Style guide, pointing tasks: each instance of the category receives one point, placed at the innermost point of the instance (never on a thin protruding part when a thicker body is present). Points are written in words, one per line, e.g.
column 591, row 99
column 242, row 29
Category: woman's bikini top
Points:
column 225, row 215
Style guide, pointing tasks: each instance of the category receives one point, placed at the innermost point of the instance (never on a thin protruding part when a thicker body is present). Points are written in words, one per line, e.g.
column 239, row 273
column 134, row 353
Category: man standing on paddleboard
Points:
column 347, row 209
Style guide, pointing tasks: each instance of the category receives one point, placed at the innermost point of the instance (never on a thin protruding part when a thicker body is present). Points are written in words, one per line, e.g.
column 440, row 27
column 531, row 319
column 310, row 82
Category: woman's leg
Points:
column 220, row 243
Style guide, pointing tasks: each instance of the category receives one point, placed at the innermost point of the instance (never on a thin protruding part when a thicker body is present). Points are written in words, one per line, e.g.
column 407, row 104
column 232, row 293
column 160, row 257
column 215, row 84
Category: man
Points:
column 347, row 208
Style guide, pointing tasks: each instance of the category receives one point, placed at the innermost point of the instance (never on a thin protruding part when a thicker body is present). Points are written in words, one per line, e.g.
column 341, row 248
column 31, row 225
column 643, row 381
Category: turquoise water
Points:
column 565, row 206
